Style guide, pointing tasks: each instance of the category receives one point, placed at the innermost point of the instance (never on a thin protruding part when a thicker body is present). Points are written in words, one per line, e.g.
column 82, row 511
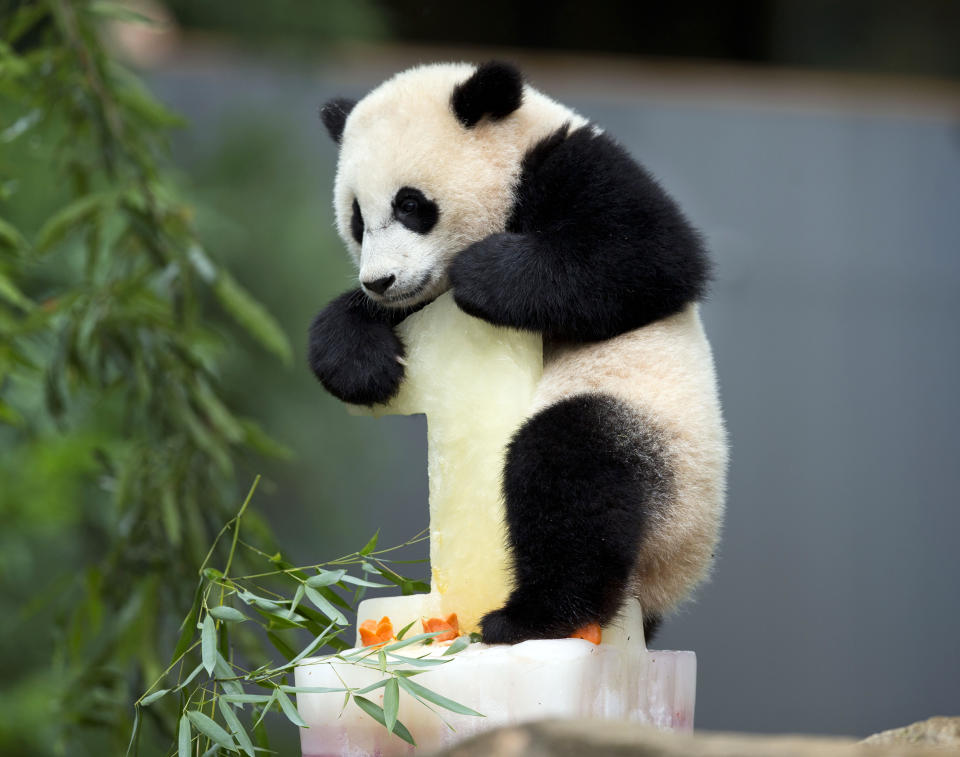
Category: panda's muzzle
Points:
column 379, row 286
column 390, row 296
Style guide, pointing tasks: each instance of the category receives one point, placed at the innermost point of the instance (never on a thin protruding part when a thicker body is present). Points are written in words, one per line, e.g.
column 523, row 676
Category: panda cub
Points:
column 464, row 178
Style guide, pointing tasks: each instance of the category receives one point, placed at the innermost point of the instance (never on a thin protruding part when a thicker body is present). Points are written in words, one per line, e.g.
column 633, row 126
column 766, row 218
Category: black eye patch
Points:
column 414, row 210
column 356, row 223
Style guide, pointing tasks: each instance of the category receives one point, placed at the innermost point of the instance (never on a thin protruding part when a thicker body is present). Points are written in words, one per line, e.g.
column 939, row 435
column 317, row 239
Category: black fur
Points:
column 422, row 218
column 495, row 89
column 354, row 351
column 334, row 116
column 594, row 247
column 356, row 223
column 581, row 483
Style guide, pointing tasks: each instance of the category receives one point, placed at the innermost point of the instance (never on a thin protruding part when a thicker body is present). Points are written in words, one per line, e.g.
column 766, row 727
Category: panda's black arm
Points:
column 354, row 351
column 594, row 247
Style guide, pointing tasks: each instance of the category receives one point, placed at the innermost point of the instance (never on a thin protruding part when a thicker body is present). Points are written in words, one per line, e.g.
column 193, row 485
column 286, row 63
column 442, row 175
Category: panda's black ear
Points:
column 495, row 89
column 334, row 115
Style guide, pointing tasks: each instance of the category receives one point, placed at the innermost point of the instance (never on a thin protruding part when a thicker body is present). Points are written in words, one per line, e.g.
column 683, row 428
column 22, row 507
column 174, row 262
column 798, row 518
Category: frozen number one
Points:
column 475, row 382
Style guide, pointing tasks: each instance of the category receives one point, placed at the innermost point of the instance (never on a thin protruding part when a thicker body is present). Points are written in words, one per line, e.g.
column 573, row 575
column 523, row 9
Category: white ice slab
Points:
column 561, row 678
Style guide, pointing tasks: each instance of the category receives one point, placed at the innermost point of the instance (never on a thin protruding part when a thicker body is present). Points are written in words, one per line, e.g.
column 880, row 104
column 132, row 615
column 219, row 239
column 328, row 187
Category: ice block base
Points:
column 557, row 678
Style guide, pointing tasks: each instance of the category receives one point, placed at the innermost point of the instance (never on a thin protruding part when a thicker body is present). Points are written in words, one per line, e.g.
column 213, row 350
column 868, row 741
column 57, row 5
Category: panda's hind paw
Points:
column 501, row 627
column 511, row 626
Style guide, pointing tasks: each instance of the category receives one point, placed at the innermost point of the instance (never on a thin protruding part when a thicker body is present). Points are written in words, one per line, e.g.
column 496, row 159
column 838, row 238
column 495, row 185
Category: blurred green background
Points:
column 705, row 93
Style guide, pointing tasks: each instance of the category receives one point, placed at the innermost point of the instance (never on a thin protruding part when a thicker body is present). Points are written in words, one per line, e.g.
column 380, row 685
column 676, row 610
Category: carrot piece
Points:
column 591, row 632
column 450, row 627
column 376, row 633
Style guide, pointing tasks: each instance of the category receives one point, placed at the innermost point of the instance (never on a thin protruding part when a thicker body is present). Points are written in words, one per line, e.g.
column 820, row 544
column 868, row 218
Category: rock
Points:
column 941, row 732
column 576, row 738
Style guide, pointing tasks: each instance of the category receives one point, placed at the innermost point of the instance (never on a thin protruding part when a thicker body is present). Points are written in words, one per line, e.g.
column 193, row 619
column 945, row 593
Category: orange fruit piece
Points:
column 591, row 632
column 374, row 633
column 450, row 627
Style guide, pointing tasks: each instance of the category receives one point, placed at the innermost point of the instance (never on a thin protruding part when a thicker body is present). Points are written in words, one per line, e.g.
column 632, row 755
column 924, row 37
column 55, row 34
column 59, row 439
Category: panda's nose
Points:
column 380, row 285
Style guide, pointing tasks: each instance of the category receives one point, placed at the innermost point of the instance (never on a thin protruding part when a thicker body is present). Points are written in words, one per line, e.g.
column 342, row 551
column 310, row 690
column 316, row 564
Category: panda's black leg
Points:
column 651, row 624
column 581, row 481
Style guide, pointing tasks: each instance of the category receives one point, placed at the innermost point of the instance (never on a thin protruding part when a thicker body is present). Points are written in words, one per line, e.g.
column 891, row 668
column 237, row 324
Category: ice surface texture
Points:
column 557, row 678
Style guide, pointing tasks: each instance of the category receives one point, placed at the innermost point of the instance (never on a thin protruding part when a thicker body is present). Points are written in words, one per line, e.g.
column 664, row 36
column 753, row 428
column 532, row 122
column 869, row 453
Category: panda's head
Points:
column 428, row 164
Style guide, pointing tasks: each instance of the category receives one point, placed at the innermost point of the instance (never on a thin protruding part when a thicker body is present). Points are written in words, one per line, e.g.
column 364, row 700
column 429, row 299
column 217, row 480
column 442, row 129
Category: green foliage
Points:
column 113, row 419
column 230, row 642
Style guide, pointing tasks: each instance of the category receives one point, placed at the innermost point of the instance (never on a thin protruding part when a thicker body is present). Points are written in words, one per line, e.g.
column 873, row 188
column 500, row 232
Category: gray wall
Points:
column 835, row 605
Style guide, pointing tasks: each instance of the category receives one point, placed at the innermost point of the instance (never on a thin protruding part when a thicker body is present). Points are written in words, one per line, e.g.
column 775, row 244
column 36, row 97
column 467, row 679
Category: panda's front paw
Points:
column 357, row 359
column 490, row 281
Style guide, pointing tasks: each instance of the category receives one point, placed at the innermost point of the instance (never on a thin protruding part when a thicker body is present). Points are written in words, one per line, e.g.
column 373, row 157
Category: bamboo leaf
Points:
column 320, row 639
column 252, row 316
column 139, row 102
column 422, row 692
column 188, row 628
column 208, row 644
column 403, row 631
column 411, row 640
column 218, row 413
column 266, row 708
column 325, row 578
column 10, row 293
column 70, row 217
column 362, row 582
column 296, row 601
column 186, row 681
column 290, row 710
column 11, row 237
column 312, row 689
column 262, row 602
column 335, row 598
column 225, row 674
column 229, row 614
column 246, row 698
column 324, row 606
column 391, row 703
column 184, row 737
column 132, row 747
column 148, row 700
column 236, row 727
column 459, row 645
column 281, row 620
column 425, row 662
column 372, row 687
column 211, row 729
column 371, row 545
column 375, row 711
